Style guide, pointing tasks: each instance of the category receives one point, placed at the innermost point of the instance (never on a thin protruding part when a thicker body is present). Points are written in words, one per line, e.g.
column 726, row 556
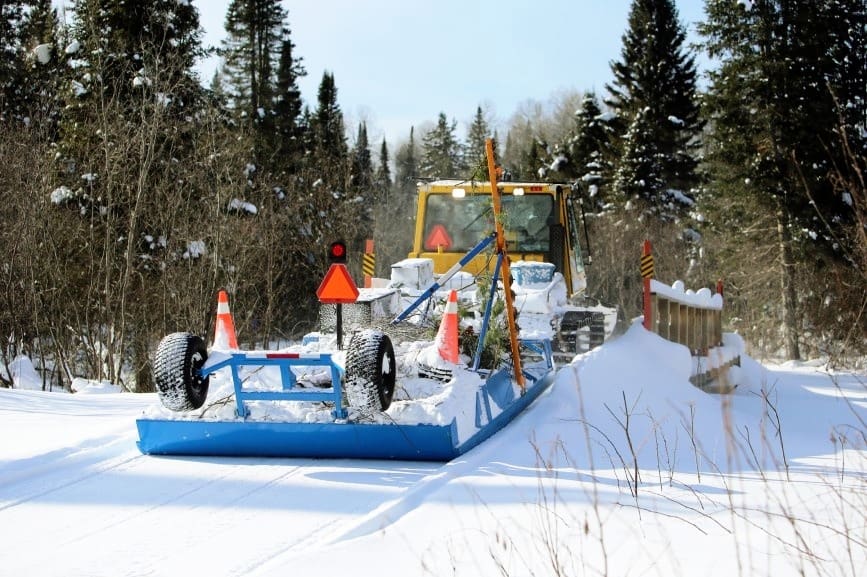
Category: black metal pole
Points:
column 339, row 323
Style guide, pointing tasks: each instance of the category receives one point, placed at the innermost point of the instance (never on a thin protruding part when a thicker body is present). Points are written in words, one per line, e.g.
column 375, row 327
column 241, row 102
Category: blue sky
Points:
column 399, row 63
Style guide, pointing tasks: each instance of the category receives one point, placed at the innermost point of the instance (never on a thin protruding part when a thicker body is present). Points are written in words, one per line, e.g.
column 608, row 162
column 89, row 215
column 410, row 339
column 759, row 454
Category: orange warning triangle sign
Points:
column 337, row 287
column 438, row 237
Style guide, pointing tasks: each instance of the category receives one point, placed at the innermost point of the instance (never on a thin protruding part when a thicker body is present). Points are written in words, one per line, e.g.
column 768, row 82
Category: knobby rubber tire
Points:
column 371, row 371
column 177, row 365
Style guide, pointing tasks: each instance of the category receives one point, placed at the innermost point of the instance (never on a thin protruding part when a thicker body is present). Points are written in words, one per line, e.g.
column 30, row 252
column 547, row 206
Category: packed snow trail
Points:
column 542, row 496
column 158, row 514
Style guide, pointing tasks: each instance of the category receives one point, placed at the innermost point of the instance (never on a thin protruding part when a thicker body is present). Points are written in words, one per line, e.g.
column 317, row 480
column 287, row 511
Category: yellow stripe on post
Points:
column 368, row 263
column 647, row 266
column 647, row 274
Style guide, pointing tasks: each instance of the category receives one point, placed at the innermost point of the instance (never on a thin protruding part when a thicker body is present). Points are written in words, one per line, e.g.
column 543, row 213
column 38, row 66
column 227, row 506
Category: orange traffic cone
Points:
column 447, row 336
column 224, row 332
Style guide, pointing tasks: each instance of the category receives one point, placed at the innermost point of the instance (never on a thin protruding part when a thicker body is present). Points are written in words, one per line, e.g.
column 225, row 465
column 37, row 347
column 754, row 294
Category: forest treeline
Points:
column 131, row 190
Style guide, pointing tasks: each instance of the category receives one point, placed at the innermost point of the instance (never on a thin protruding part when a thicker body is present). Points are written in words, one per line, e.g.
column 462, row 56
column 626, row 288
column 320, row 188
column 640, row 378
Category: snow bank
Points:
column 643, row 379
column 23, row 374
column 88, row 387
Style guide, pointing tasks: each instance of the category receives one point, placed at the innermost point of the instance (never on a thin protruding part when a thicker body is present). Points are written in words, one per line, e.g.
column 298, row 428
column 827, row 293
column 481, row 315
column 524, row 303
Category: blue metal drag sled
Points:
column 359, row 394
column 356, row 393
column 367, row 383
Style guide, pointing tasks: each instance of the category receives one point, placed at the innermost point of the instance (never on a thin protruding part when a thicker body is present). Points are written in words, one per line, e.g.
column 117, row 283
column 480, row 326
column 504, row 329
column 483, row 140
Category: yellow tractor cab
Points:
column 540, row 221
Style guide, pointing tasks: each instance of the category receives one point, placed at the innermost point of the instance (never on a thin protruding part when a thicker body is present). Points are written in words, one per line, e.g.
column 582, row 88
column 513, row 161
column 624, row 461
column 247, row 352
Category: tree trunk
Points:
column 787, row 280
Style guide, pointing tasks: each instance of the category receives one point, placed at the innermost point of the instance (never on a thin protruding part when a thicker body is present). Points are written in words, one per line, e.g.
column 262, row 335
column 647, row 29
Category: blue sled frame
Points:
column 496, row 406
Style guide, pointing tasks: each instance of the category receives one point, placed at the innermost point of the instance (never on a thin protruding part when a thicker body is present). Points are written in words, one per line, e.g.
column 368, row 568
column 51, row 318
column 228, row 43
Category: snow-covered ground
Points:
column 622, row 467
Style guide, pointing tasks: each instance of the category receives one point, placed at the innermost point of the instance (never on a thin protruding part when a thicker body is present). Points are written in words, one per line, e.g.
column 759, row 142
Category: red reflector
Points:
column 438, row 238
column 337, row 287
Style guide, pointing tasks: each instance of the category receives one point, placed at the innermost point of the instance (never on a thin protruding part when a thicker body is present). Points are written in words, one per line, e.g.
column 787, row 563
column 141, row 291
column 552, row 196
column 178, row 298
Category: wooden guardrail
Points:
column 690, row 318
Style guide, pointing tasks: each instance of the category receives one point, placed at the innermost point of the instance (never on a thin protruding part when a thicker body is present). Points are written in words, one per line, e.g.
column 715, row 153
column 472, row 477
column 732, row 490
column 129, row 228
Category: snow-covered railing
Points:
column 692, row 319
column 686, row 317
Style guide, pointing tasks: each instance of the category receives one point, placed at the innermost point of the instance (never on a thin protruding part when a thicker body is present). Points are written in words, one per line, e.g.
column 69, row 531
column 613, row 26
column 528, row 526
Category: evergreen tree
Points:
column 288, row 130
column 478, row 133
column 218, row 90
column 590, row 150
column 639, row 173
column 330, row 151
column 655, row 81
column 847, row 55
column 43, row 65
column 125, row 135
column 125, row 46
column 396, row 219
column 256, row 37
column 406, row 167
column 442, row 154
column 129, row 55
column 12, row 96
column 382, row 179
column 512, row 156
column 361, row 171
column 775, row 103
column 388, row 214
column 534, row 164
column 361, row 185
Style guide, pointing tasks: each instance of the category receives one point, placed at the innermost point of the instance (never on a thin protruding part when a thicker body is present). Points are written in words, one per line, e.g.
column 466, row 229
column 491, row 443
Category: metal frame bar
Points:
column 285, row 361
column 486, row 319
column 437, row 285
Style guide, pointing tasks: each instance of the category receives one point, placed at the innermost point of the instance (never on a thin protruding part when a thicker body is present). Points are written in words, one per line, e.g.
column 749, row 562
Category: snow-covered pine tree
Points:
column 125, row 135
column 44, row 64
column 777, row 104
column 590, row 151
column 442, row 153
column 129, row 55
column 638, row 179
column 12, row 46
column 655, row 81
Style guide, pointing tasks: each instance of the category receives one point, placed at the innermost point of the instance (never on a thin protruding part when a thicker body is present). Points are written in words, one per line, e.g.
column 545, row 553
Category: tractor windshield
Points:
column 458, row 224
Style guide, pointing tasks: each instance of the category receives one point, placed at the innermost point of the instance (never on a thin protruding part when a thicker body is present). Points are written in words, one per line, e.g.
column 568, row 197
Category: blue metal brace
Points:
column 285, row 361
column 432, row 289
column 487, row 318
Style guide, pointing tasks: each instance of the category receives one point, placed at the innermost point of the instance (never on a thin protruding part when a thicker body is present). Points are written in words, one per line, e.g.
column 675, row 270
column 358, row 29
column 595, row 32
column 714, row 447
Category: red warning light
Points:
column 337, row 251
column 438, row 238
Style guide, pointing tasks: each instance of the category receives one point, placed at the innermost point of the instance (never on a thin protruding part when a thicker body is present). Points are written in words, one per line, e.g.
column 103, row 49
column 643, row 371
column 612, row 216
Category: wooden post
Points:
column 506, row 277
column 647, row 274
